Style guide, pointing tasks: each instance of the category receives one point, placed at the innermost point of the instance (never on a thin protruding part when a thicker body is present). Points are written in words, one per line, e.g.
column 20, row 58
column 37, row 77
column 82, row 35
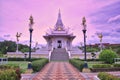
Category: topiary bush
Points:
column 39, row 64
column 101, row 66
column 107, row 56
column 77, row 63
column 106, row 76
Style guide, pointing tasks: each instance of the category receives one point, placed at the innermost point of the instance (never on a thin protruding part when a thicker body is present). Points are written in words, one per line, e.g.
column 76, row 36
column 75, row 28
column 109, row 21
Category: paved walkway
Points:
column 59, row 71
column 62, row 71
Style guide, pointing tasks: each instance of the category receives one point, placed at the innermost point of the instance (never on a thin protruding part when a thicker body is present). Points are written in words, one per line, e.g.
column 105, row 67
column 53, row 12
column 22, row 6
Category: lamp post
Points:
column 84, row 33
column 30, row 30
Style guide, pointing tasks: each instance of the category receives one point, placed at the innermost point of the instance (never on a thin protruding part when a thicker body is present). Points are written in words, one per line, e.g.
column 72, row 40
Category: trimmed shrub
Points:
column 90, row 60
column 9, row 66
column 13, row 69
column 8, row 74
column 22, row 59
column 116, row 65
column 77, row 63
column 107, row 56
column 106, row 76
column 101, row 66
column 39, row 64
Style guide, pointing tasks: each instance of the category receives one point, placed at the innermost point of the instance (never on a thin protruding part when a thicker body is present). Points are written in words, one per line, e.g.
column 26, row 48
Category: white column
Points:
column 17, row 47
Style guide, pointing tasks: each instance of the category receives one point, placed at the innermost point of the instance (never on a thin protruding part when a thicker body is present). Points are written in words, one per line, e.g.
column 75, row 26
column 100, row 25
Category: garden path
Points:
column 59, row 71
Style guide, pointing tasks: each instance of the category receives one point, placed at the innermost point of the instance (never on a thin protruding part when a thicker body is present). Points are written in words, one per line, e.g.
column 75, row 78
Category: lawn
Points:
column 22, row 64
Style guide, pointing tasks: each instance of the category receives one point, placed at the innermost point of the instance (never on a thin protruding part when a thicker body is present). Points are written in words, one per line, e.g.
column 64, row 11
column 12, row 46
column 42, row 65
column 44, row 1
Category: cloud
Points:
column 115, row 19
column 115, row 34
column 118, row 30
column 106, row 13
column 2, row 39
column 7, row 35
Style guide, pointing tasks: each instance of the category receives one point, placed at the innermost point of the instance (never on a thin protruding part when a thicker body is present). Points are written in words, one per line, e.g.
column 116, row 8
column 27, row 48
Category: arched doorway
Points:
column 59, row 42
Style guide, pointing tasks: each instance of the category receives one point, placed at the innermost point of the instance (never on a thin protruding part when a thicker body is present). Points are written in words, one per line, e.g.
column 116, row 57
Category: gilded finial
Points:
column 100, row 35
column 83, row 21
column 31, row 20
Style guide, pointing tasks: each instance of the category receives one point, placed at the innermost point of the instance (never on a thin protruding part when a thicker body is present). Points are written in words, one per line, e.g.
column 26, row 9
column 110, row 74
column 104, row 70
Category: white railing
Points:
column 50, row 53
column 117, row 60
column 3, row 60
column 96, row 78
column 69, row 54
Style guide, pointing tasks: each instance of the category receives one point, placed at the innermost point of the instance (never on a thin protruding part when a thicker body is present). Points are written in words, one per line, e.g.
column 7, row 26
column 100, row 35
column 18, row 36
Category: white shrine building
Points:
column 59, row 37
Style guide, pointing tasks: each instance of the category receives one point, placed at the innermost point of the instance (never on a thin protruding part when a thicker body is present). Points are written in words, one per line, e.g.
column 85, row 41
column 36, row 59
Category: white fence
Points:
column 3, row 60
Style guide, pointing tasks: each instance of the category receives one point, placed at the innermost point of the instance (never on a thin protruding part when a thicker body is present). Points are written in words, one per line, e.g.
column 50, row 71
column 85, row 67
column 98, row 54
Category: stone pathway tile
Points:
column 59, row 71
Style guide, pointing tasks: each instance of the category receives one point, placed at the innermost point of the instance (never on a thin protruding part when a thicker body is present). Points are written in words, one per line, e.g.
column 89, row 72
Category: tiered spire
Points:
column 59, row 25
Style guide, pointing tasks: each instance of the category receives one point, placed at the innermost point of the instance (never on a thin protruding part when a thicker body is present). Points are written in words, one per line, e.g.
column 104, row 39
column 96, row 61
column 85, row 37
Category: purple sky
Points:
column 102, row 16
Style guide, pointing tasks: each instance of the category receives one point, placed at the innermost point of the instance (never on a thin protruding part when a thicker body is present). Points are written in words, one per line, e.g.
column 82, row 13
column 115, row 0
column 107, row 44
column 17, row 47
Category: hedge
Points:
column 106, row 76
column 10, row 72
column 39, row 64
column 77, row 63
column 101, row 66
column 89, row 59
column 116, row 65
column 22, row 59
column 9, row 66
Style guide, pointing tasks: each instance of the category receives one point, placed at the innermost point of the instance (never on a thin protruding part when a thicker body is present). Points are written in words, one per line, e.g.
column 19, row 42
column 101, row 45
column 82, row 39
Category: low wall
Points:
column 46, row 55
column 22, row 55
column 81, row 56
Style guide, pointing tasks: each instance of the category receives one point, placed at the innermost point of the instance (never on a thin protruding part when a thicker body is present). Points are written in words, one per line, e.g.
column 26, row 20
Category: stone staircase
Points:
column 59, row 54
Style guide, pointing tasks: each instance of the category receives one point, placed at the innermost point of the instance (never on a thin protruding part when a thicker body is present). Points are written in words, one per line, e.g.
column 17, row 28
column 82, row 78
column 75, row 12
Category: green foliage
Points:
column 39, row 64
column 107, row 56
column 23, row 47
column 10, row 46
column 106, row 76
column 9, row 66
column 1, row 55
column 92, row 49
column 8, row 74
column 101, row 66
column 118, row 51
column 7, row 46
column 77, row 63
column 25, row 50
column 116, row 65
